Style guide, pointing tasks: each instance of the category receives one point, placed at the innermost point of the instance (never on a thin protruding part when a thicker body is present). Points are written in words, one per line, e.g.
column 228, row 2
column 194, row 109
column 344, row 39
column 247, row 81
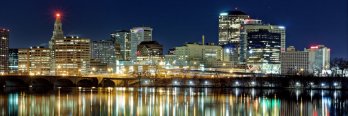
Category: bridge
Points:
column 223, row 82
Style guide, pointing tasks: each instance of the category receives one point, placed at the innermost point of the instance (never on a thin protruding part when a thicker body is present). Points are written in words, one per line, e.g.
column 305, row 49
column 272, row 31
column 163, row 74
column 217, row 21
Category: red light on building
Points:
column 314, row 47
column 58, row 15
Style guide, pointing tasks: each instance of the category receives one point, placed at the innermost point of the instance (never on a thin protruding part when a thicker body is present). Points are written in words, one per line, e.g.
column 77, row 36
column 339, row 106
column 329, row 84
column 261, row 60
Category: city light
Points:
column 223, row 14
column 281, row 27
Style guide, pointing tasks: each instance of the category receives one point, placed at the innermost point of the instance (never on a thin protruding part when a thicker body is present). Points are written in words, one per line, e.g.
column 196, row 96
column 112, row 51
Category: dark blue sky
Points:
column 308, row 22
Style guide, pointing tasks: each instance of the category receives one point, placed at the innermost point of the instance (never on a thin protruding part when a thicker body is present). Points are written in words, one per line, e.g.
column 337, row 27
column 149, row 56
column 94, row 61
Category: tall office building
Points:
column 23, row 61
column 39, row 61
column 229, row 26
column 122, row 44
column 72, row 56
column 263, row 51
column 69, row 55
column 138, row 35
column 56, row 35
column 34, row 61
column 248, row 28
column 13, row 61
column 104, row 51
column 319, row 59
column 294, row 62
column 4, row 49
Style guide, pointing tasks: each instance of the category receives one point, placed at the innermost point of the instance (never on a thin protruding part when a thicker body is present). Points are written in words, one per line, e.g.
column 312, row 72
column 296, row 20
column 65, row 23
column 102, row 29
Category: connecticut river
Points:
column 172, row 102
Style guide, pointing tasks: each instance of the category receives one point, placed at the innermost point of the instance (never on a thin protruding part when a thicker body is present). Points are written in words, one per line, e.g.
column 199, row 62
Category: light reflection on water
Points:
column 173, row 101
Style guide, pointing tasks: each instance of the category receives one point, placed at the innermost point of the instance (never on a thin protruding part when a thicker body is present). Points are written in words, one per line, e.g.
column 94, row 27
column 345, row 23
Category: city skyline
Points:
column 174, row 33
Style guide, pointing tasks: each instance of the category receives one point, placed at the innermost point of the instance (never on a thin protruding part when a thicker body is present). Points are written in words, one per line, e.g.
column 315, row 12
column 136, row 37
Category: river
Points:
column 172, row 102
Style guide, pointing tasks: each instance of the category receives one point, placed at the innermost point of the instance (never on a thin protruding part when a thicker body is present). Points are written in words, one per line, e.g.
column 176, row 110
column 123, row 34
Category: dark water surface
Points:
column 172, row 102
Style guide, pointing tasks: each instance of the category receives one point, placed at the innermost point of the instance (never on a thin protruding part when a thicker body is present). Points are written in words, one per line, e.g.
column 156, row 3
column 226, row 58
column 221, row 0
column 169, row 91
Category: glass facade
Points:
column 13, row 61
column 104, row 51
column 263, row 50
column 122, row 44
column 138, row 35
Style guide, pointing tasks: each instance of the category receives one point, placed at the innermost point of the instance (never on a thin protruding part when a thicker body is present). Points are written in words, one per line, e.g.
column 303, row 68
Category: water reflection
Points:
column 173, row 101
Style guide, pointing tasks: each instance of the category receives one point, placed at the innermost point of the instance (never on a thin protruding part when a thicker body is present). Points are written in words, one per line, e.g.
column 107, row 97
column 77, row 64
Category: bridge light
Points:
column 175, row 82
column 311, row 83
column 297, row 83
column 191, row 82
column 322, row 84
column 253, row 83
column 206, row 82
column 237, row 83
column 335, row 84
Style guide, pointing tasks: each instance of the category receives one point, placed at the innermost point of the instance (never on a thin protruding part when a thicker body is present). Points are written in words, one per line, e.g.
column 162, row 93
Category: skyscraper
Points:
column 263, row 51
column 69, row 55
column 138, row 35
column 56, row 35
column 249, row 28
column 122, row 44
column 4, row 49
column 229, row 26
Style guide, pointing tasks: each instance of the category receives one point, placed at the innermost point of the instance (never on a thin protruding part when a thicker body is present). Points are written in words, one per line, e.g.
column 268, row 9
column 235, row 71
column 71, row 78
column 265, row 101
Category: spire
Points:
column 58, row 30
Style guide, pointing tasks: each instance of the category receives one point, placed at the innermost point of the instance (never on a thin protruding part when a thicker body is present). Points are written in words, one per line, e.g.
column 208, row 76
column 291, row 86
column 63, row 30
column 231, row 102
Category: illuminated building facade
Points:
column 72, row 56
column 104, row 51
column 294, row 62
column 39, row 61
column 4, row 50
column 229, row 26
column 23, row 61
column 150, row 48
column 56, row 35
column 263, row 51
column 193, row 54
column 319, row 60
column 69, row 55
column 122, row 44
column 248, row 28
column 13, row 61
column 138, row 35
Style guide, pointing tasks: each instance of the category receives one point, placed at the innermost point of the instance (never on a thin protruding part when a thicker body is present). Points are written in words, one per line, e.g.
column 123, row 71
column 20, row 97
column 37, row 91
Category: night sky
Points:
column 308, row 22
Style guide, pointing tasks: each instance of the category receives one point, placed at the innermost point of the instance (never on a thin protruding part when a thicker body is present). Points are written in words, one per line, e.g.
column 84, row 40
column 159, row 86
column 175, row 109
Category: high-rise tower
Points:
column 138, row 35
column 4, row 42
column 58, row 30
column 57, row 34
